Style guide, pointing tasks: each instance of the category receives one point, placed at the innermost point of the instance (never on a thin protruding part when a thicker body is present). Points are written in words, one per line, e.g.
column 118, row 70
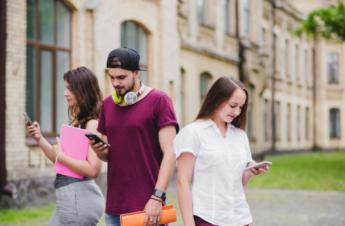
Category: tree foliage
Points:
column 328, row 23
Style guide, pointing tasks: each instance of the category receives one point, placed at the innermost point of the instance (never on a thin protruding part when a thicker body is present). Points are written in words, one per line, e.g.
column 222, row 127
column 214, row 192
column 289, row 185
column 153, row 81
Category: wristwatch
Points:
column 159, row 194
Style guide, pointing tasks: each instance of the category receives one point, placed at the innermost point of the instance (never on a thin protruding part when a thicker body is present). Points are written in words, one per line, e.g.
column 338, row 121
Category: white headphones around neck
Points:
column 130, row 98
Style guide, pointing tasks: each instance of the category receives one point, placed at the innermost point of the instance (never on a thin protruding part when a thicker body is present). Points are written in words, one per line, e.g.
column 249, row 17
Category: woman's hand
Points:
column 257, row 171
column 248, row 173
column 34, row 130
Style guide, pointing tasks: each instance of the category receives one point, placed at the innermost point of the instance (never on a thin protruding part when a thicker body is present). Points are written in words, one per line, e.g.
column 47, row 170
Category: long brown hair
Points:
column 84, row 85
column 219, row 93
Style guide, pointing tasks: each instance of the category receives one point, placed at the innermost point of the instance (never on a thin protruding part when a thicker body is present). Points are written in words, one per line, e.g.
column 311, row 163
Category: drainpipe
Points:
column 241, row 47
column 3, row 173
column 273, row 72
column 315, row 146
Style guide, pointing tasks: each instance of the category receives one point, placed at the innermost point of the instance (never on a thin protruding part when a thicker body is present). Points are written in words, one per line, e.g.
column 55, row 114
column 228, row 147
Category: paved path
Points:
column 277, row 207
column 297, row 207
column 272, row 207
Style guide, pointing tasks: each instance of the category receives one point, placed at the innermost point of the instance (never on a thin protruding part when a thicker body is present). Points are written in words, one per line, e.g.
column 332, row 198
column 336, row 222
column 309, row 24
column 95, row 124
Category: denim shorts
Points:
column 112, row 220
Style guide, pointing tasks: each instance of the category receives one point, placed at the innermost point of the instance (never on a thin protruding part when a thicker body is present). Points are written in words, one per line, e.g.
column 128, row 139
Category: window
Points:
column 267, row 125
column 307, row 123
column 205, row 82
column 306, row 65
column 246, row 17
column 277, row 56
column 134, row 36
column 201, row 11
column 206, row 12
column 183, row 96
column 277, row 120
column 48, row 58
column 293, row 59
column 296, row 68
column 298, row 123
column 333, row 73
column 227, row 17
column 286, row 57
column 288, row 121
column 334, row 123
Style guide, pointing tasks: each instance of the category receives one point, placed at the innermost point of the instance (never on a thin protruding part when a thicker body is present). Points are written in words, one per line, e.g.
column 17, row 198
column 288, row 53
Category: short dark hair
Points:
column 84, row 85
column 220, row 92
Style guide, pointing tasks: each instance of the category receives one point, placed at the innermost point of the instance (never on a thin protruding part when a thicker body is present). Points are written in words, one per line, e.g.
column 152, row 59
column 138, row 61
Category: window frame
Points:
column 209, row 78
column 39, row 46
column 333, row 62
column 124, row 37
column 334, row 133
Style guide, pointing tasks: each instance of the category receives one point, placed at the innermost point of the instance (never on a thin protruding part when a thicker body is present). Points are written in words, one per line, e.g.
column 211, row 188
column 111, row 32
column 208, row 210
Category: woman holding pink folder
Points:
column 214, row 151
column 78, row 201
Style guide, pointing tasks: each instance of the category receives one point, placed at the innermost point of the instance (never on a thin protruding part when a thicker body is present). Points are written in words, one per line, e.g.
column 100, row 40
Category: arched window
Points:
column 134, row 36
column 183, row 96
column 205, row 83
column 47, row 58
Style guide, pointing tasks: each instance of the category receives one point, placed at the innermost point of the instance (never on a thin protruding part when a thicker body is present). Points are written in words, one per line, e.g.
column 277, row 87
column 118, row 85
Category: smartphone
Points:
column 94, row 137
column 259, row 165
column 27, row 119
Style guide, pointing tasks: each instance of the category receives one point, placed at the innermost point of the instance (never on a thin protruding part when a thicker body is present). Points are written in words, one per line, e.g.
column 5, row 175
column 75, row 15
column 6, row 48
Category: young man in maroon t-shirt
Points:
column 139, row 123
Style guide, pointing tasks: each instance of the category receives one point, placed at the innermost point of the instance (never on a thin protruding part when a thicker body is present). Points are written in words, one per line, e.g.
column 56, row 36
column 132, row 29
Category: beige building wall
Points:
column 329, row 95
column 180, row 49
column 16, row 150
column 205, row 48
column 293, row 81
column 96, row 30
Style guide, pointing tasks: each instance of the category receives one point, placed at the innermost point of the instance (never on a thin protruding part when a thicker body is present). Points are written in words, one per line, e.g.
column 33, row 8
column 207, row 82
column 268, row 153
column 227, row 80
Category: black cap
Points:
column 124, row 58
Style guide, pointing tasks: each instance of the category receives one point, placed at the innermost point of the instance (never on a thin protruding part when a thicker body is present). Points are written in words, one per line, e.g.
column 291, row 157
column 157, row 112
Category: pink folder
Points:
column 74, row 144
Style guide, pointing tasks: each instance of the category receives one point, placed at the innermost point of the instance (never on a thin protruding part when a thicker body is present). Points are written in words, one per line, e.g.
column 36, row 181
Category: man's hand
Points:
column 152, row 211
column 100, row 149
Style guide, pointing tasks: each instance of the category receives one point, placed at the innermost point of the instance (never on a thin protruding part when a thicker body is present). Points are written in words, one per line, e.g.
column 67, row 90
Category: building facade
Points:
column 296, row 85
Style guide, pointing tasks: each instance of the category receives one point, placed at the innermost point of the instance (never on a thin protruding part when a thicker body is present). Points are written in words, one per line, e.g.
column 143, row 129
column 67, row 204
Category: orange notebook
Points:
column 168, row 215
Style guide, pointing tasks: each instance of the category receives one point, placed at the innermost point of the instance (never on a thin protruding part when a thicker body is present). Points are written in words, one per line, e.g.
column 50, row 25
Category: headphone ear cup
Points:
column 117, row 99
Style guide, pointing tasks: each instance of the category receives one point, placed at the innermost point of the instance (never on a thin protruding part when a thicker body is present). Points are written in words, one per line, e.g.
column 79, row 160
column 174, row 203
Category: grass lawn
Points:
column 317, row 171
column 28, row 216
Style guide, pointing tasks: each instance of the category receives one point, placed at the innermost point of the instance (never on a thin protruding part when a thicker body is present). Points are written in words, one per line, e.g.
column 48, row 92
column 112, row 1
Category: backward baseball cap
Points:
column 125, row 58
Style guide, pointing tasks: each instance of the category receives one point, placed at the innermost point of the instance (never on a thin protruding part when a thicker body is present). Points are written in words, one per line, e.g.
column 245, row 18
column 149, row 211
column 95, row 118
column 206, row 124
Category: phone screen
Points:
column 94, row 137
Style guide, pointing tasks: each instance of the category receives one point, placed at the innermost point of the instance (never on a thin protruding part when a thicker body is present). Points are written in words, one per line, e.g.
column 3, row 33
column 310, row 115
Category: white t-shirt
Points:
column 217, row 190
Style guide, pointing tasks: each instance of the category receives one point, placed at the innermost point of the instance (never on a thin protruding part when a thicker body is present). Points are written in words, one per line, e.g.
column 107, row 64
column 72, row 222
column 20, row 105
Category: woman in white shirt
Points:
column 214, row 150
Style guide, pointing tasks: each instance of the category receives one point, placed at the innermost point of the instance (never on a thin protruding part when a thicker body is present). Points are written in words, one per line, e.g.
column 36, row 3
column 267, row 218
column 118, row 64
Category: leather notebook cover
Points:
column 168, row 215
column 74, row 144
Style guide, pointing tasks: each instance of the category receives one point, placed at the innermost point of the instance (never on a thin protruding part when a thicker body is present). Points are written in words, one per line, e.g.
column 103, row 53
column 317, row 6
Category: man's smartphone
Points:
column 94, row 137
column 259, row 165
column 27, row 119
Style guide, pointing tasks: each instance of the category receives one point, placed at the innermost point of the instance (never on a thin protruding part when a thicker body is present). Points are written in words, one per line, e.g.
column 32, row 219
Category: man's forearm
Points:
column 166, row 170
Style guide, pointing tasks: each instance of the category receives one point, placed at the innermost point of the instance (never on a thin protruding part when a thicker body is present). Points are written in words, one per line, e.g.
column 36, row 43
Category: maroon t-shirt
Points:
column 135, row 155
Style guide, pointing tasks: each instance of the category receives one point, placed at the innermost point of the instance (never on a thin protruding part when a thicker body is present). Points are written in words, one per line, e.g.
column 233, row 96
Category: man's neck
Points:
column 137, row 86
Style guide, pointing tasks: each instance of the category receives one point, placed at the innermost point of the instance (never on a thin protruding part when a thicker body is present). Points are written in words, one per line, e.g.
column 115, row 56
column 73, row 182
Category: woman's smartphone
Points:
column 259, row 165
column 27, row 119
column 94, row 137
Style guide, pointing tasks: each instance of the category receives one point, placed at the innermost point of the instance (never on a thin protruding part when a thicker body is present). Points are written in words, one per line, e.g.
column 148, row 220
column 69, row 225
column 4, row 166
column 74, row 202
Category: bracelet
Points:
column 158, row 200
column 57, row 157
